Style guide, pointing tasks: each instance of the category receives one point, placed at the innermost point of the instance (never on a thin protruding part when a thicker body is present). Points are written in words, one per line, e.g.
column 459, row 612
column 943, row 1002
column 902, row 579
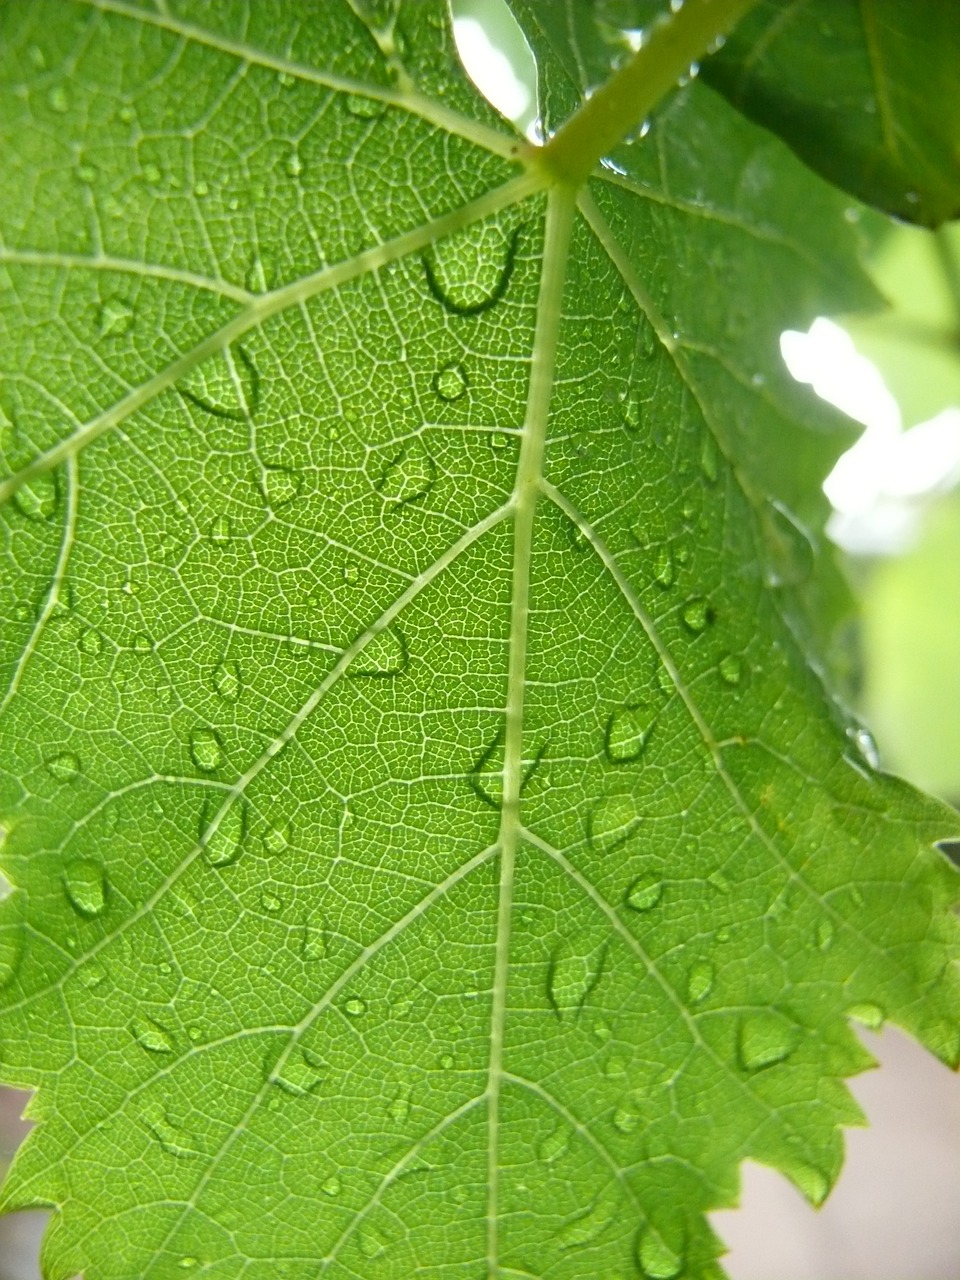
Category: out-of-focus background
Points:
column 896, row 520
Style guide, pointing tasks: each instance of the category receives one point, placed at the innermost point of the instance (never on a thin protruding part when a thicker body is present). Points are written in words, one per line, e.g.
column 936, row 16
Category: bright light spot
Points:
column 875, row 484
column 491, row 71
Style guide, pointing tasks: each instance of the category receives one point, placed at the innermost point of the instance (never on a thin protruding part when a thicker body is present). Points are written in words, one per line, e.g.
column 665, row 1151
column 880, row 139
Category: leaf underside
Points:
column 317, row 965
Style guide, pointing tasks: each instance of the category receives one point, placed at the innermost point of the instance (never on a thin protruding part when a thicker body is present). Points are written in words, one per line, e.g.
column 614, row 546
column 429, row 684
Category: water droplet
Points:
column 127, row 114
column 152, row 175
column 708, row 458
column 225, row 387
column 587, row 1226
column 664, row 568
column 38, row 499
column 790, row 545
column 220, row 530
column 631, row 413
column 332, row 1186
column 766, row 1039
column 719, row 881
column 700, row 981
column 384, row 655
column 450, row 382
column 602, row 1031
column 470, row 271
column 114, row 318
column 152, row 1036
column 226, row 680
column 824, row 934
column 625, row 1118
column 612, row 821
column 172, row 1138
column 364, row 108
column 206, row 749
column 627, row 732
column 270, row 902
column 498, row 440
column 867, row 1013
column 372, row 1244
column 574, row 971
column 64, row 767
column 555, row 1144
column 408, row 476
column 91, row 975
column 301, row 1073
column 187, row 1263
column 294, row 165
column 86, row 886
column 313, row 945
column 657, row 1260
column 11, row 951
column 731, row 669
column 863, row 740
column 91, row 641
column 399, row 1108
column 277, row 839
column 280, row 485
column 355, row 1007
column 446, row 1062
column 697, row 615
column 37, row 57
column 615, row 1067
column 351, row 573
column 644, row 893
column 58, row 101
column 224, row 845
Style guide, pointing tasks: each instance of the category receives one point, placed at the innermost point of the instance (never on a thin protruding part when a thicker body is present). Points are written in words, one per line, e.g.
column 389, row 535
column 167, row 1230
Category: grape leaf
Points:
column 435, row 849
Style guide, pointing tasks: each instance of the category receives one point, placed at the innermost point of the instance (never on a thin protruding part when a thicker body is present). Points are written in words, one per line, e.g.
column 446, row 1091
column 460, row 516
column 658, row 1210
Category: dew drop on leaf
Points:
column 625, row 1118
column 700, row 981
column 64, row 767
column 708, row 458
column 644, row 893
column 224, row 845
column 631, row 413
column 363, row 108
column 37, row 499
column 86, row 886
column 355, row 1007
column 765, row 1039
column 114, row 318
column 615, row 1067
column 790, row 547
column 555, row 1144
column 372, row 1244
column 314, row 942
column 574, row 971
column 228, row 389
column 498, row 440
column 450, row 382
column 270, row 902
column 697, row 614
column 824, row 934
column 866, row 746
column 301, row 1073
column 332, row 1186
column 470, row 271
column 731, row 669
column 91, row 641
column 351, row 573
column 446, row 1062
column 206, row 749
column 867, row 1014
column 612, row 821
column 587, row 1226
column 280, row 485
column 11, row 951
column 399, row 1108
column 152, row 1036
column 91, row 975
column 220, row 530
column 187, row 1263
column 626, row 734
column 384, row 655
column 664, row 568
column 276, row 840
column 657, row 1260
column 226, row 680
column 408, row 476
column 172, row 1138
column 58, row 101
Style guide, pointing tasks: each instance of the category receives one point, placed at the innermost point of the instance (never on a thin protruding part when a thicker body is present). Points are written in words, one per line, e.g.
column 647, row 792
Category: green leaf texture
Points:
column 434, row 849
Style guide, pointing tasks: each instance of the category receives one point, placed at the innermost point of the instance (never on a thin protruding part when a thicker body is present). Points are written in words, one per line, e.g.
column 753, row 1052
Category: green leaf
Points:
column 434, row 846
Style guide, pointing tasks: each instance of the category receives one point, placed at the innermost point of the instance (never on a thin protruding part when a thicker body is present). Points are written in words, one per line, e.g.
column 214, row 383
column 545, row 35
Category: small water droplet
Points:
column 91, row 641
column 446, row 1062
column 645, row 892
column 555, row 1144
column 195, row 1033
column 399, row 1108
column 225, row 844
column 152, row 1036
column 91, row 975
column 301, row 1073
column 332, row 1186
column 64, row 767
column 700, row 981
column 206, row 749
column 450, row 382
column 364, row 108
column 612, row 821
column 602, row 1031
column 664, row 568
column 38, row 499
column 276, row 840
column 11, row 952
column 868, row 1014
column 627, row 733
column 631, row 413
column 470, row 271
column 270, row 902
column 766, row 1039
column 220, row 530
column 351, row 573
column 574, row 971
column 313, row 945
column 498, row 440
column 824, row 934
column 708, row 458
column 731, row 669
column 697, row 614
column 280, row 485
column 587, row 1226
column 152, row 175
column 625, row 1118
column 226, row 680
column 863, row 740
column 407, row 477
column 384, row 655
column 372, row 1244
column 718, row 879
column 187, row 1263
column 115, row 317
column 355, row 1007
column 86, row 886
column 172, row 1138
column 37, row 57
column 294, row 164
column 615, row 1067
column 57, row 100
column 657, row 1260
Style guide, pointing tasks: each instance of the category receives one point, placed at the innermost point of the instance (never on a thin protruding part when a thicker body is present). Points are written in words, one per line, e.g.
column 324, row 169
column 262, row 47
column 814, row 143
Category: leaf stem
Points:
column 673, row 44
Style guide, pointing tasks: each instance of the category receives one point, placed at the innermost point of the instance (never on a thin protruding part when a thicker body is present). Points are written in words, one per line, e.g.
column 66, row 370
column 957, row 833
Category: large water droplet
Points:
column 152, row 1036
column 574, row 971
column 408, row 476
column 645, row 893
column 206, row 749
column 470, row 271
column 114, row 318
column 697, row 614
column 868, row 1014
column 587, row 1226
column 555, row 1144
column 301, row 1074
column 765, row 1039
column 627, row 732
column 700, row 981
column 225, row 844
column 731, row 669
column 450, row 381
column 657, row 1260
column 64, row 767
column 86, row 886
column 226, row 680
column 280, row 485
column 314, row 943
column 383, row 655
column 227, row 389
column 37, row 499
column 612, row 821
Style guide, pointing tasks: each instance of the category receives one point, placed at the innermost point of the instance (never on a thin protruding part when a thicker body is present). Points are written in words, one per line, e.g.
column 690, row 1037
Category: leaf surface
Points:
column 434, row 848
